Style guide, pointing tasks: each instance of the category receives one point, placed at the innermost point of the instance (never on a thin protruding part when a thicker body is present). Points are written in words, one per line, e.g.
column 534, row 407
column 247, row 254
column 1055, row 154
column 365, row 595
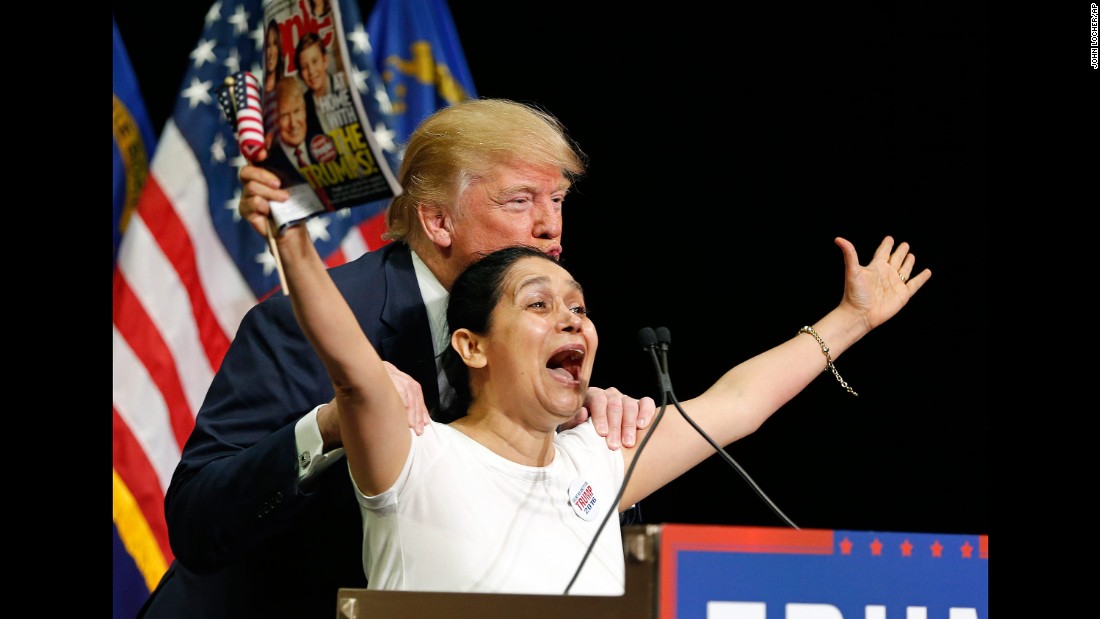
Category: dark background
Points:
column 728, row 147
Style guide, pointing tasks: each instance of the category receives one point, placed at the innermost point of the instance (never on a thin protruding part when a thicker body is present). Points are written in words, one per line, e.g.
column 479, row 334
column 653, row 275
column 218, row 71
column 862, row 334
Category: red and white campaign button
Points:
column 582, row 496
column 322, row 149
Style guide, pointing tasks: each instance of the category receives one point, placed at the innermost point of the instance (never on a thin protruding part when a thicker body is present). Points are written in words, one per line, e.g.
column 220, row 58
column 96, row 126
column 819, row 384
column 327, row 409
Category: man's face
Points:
column 314, row 70
column 511, row 205
column 292, row 117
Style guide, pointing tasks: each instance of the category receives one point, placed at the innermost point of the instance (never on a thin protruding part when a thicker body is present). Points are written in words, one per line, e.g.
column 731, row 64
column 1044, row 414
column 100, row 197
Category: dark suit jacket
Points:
column 313, row 120
column 255, row 543
column 281, row 165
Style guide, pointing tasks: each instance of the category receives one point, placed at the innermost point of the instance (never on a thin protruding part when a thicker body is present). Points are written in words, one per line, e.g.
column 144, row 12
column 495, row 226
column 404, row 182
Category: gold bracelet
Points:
column 828, row 358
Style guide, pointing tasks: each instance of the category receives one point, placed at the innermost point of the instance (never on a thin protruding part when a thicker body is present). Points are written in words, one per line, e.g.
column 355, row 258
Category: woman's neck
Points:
column 508, row 437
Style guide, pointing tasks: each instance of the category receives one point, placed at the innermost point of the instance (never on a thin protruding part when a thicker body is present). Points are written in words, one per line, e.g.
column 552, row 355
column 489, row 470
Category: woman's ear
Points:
column 434, row 222
column 468, row 346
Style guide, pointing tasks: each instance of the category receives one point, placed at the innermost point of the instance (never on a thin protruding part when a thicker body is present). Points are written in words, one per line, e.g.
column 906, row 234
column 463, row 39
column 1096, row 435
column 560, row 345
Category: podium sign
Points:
column 676, row 571
column 729, row 572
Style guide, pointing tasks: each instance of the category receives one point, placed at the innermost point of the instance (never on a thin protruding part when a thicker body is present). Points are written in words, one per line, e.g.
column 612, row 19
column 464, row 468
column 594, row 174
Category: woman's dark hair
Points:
column 280, row 65
column 473, row 296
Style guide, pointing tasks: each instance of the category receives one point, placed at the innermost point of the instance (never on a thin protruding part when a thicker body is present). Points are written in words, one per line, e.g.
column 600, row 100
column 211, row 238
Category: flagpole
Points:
column 275, row 252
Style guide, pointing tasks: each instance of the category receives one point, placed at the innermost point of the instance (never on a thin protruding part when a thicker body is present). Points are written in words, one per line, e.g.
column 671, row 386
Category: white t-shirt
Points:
column 461, row 518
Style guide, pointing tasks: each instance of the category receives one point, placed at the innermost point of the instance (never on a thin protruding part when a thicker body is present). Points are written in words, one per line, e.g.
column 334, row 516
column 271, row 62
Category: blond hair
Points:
column 461, row 142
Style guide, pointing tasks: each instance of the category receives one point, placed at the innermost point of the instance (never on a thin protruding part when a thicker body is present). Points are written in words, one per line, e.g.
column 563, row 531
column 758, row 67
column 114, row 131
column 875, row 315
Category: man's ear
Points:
column 434, row 222
column 468, row 346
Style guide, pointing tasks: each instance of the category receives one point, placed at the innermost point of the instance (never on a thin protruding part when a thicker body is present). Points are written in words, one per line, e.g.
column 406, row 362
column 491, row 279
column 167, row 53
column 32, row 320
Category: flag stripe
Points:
column 371, row 231
column 138, row 336
column 336, row 258
column 180, row 279
column 137, row 536
column 138, row 474
column 177, row 170
column 167, row 226
column 162, row 304
column 140, row 404
column 353, row 245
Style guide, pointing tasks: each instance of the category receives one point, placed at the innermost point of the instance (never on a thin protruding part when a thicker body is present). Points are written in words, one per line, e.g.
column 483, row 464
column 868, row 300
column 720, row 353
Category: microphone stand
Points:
column 649, row 340
column 665, row 340
column 652, row 341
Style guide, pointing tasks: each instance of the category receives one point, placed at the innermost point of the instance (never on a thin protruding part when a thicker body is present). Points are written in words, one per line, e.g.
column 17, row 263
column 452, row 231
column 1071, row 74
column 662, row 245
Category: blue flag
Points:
column 418, row 52
column 134, row 139
column 133, row 146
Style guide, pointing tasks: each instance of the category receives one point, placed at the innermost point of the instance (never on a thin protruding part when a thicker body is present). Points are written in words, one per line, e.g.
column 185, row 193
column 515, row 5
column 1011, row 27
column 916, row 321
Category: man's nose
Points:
column 547, row 223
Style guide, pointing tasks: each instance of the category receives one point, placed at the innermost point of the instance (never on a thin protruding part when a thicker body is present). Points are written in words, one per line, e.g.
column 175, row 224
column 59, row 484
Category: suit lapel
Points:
column 408, row 344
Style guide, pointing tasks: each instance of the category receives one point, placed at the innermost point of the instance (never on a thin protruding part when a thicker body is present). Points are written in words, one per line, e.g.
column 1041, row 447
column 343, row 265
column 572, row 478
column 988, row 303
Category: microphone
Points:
column 649, row 340
column 652, row 340
column 663, row 339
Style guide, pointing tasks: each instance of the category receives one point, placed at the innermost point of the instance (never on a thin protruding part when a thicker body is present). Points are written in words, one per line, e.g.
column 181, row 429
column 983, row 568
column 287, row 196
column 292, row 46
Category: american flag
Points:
column 188, row 268
column 239, row 97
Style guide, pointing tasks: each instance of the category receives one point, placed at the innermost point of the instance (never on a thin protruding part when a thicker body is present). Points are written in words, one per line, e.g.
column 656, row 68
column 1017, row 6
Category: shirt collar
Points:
column 435, row 302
